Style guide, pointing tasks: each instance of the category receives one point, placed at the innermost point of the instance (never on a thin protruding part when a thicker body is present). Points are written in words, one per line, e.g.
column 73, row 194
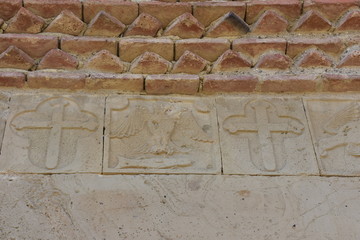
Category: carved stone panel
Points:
column 161, row 135
column 4, row 111
column 335, row 127
column 53, row 134
column 265, row 136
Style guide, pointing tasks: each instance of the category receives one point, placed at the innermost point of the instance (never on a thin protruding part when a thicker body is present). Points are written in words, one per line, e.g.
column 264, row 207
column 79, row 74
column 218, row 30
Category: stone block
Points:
column 69, row 81
column 52, row 8
column 289, row 83
column 172, row 84
column 12, row 79
column 120, row 82
column 86, row 46
column 8, row 8
column 231, row 83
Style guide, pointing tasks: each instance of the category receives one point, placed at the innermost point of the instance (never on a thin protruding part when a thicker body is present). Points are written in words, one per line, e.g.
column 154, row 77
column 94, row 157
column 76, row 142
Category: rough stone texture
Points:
column 265, row 136
column 230, row 61
column 216, row 83
column 104, row 61
column 52, row 8
column 189, row 63
column 207, row 12
column 350, row 58
column 123, row 82
column 313, row 58
column 269, row 23
column 1, row 22
column 53, row 134
column 130, row 48
column 165, row 12
column 103, row 24
column 58, row 59
column 274, row 60
column 150, row 63
column 66, row 23
column 289, row 83
column 312, row 21
column 230, row 25
column 8, row 8
column 161, row 135
column 341, row 82
column 35, row 46
column 172, row 84
column 124, row 11
column 144, row 25
column 12, row 79
column 15, row 58
column 56, row 80
column 334, row 126
column 25, row 22
column 4, row 105
column 350, row 22
column 209, row 49
column 255, row 47
column 185, row 26
column 85, row 46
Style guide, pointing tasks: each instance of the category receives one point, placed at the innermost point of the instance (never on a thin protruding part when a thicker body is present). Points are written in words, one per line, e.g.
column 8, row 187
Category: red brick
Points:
column 25, row 22
column 35, row 46
column 103, row 24
column 121, row 82
column 331, row 9
column 144, row 25
column 289, row 83
column 207, row 12
column 1, row 22
column 270, row 23
column 126, row 12
column 229, row 25
column 85, row 46
column 150, row 63
column 104, row 61
column 8, row 8
column 189, row 63
column 313, row 58
column 255, row 47
column 185, row 26
column 274, row 60
column 230, row 61
column 172, row 84
column 331, row 45
column 52, row 8
column 350, row 22
column 56, row 80
column 351, row 58
column 66, row 23
column 312, row 21
column 341, row 82
column 15, row 58
column 216, row 83
column 209, row 49
column 290, row 9
column 12, row 79
column 58, row 59
column 130, row 48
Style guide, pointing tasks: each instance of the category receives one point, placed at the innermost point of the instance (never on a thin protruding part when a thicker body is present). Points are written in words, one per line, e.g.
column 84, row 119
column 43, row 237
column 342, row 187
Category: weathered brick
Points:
column 331, row 9
column 331, row 45
column 103, row 24
column 255, row 47
column 350, row 22
column 290, row 9
column 1, row 22
column 274, row 60
column 341, row 82
column 25, row 22
column 289, row 83
column 350, row 58
column 144, row 25
column 150, row 63
column 189, row 63
column 165, row 12
column 85, row 46
column 172, row 84
column 13, row 57
column 130, row 48
column 207, row 12
column 185, row 26
column 121, row 82
column 58, row 59
column 229, row 25
column 312, row 21
column 12, row 79
column 66, row 23
column 230, row 61
column 216, row 83
column 270, row 23
column 313, row 58
column 8, row 8
column 70, row 81
column 52, row 8
column 104, row 61
column 35, row 46
column 209, row 49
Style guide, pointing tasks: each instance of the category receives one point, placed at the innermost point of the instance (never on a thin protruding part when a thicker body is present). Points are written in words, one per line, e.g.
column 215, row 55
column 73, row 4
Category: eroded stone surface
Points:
column 335, row 125
column 179, row 207
column 265, row 136
column 53, row 134
column 161, row 135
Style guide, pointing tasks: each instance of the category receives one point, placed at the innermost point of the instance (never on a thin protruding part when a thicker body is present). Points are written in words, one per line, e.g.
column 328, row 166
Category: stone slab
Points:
column 88, row 206
column 148, row 134
column 53, row 134
column 335, row 125
column 4, row 112
column 265, row 135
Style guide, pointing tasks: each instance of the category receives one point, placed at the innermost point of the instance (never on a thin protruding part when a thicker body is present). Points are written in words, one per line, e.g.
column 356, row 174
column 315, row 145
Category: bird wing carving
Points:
column 189, row 127
column 132, row 124
column 349, row 114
